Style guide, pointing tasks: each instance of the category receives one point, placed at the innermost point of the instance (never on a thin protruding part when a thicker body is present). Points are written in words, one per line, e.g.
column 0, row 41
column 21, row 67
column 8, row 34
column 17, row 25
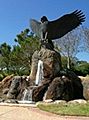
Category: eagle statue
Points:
column 50, row 30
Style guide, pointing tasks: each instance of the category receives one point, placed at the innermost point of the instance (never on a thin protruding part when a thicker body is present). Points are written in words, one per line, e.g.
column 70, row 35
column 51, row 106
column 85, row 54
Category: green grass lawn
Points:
column 66, row 109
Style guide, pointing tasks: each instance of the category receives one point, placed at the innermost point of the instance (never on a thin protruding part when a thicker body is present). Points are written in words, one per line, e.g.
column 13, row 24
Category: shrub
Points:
column 82, row 69
column 1, row 77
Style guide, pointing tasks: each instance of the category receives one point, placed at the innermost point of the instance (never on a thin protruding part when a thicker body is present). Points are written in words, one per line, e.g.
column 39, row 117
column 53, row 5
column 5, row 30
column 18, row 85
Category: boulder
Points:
column 4, row 86
column 60, row 89
column 85, row 84
column 60, row 102
column 48, row 101
column 39, row 91
column 51, row 62
column 67, row 87
column 76, row 83
column 11, row 101
column 17, row 87
column 14, row 88
column 78, row 101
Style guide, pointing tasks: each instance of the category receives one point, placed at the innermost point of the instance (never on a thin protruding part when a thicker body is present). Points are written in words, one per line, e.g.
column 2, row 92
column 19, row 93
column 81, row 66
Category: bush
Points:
column 1, row 77
column 81, row 69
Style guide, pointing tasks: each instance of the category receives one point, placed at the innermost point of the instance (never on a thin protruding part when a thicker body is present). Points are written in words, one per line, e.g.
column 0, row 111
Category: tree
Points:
column 23, row 51
column 81, row 68
column 86, row 38
column 69, row 45
column 5, row 52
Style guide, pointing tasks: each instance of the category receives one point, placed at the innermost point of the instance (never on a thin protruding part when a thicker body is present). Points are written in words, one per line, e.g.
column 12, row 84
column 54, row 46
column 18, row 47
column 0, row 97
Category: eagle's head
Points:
column 43, row 19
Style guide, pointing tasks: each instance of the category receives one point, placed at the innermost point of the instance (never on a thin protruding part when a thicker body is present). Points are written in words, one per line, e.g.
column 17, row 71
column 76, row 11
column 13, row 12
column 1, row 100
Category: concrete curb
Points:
column 17, row 105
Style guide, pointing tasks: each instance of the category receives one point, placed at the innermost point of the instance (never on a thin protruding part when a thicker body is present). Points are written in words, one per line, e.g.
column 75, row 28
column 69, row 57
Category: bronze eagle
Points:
column 51, row 30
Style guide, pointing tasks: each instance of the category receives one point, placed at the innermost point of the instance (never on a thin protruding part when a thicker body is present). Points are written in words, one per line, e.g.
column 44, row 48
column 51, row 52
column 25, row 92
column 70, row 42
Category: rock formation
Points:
column 58, row 84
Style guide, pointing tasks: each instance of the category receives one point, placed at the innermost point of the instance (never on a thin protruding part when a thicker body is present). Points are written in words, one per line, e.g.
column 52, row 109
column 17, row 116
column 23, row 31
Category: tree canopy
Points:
column 17, row 59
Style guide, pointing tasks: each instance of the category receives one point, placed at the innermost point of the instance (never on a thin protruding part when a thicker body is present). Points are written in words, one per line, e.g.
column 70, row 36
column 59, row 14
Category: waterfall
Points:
column 39, row 74
column 27, row 95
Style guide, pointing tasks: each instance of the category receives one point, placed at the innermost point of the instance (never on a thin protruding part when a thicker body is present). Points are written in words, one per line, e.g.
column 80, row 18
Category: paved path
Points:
column 31, row 113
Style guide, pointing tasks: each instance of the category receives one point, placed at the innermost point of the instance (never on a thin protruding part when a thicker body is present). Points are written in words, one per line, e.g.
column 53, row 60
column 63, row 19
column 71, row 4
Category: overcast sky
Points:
column 15, row 15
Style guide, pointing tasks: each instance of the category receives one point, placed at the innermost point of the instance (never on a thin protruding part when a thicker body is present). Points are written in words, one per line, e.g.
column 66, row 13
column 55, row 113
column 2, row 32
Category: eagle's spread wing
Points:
column 65, row 24
column 58, row 28
column 35, row 26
